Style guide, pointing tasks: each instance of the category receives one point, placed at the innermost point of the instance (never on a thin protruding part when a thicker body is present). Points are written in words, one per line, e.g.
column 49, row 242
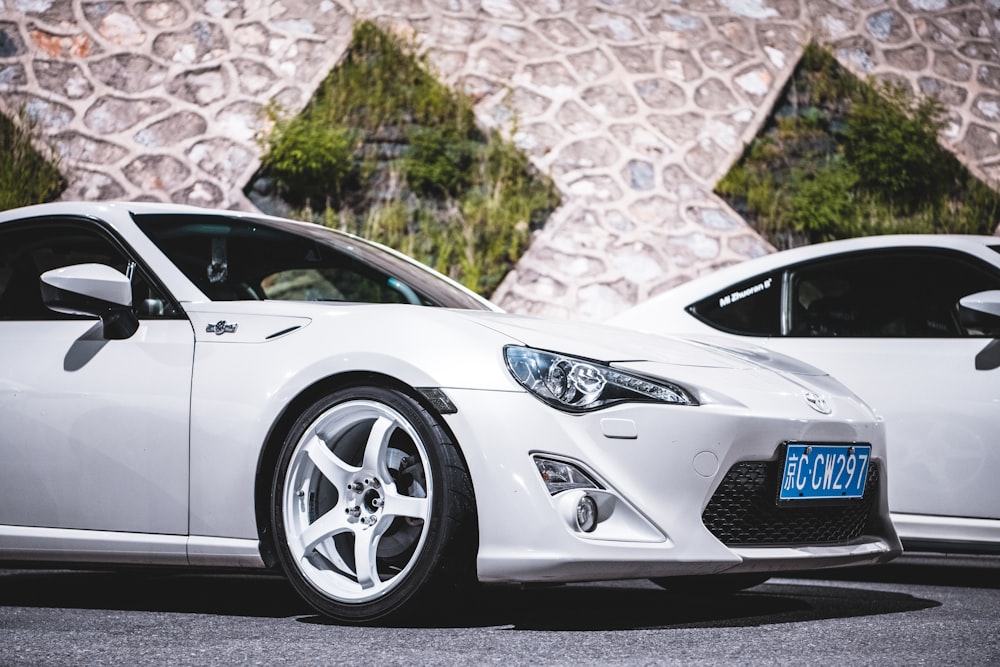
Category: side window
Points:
column 902, row 294
column 751, row 308
column 29, row 249
column 238, row 260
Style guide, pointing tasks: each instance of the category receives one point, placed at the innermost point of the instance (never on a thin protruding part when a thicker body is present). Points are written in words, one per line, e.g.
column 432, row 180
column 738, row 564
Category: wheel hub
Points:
column 364, row 501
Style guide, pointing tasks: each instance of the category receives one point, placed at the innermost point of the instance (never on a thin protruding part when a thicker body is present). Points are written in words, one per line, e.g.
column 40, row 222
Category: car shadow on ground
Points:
column 201, row 592
column 637, row 605
column 593, row 606
column 927, row 569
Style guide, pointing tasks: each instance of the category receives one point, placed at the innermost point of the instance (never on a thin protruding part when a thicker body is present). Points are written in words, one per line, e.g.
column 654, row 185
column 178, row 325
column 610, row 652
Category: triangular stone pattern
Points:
column 635, row 107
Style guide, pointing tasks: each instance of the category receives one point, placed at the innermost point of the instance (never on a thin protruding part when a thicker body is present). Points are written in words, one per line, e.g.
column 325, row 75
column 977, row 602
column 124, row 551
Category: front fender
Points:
column 245, row 380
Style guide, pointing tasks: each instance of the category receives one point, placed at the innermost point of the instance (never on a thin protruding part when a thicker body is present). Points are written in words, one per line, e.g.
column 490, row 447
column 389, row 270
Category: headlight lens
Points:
column 579, row 385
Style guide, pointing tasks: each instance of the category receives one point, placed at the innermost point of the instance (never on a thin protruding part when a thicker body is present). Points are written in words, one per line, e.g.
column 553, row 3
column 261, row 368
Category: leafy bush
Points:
column 386, row 151
column 823, row 203
column 892, row 144
column 843, row 157
column 438, row 163
column 26, row 177
column 312, row 159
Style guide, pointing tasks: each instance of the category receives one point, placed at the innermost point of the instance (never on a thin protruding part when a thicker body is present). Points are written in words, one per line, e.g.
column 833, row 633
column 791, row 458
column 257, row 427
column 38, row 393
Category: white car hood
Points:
column 673, row 358
column 263, row 320
column 606, row 343
column 757, row 355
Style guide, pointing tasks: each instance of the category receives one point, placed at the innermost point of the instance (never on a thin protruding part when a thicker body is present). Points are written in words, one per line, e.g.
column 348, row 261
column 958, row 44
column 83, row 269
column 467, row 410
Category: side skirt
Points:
column 68, row 545
column 947, row 533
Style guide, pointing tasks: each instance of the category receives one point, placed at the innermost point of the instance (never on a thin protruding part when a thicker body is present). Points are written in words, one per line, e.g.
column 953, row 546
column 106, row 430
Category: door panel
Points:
column 942, row 415
column 95, row 432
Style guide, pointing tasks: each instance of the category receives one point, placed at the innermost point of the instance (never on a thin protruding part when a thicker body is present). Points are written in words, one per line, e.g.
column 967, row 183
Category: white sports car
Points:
column 198, row 388
column 910, row 323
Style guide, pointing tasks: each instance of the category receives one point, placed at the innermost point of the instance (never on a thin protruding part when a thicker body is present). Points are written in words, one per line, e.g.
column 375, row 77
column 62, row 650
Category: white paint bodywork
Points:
column 103, row 281
column 942, row 414
column 148, row 450
column 95, row 432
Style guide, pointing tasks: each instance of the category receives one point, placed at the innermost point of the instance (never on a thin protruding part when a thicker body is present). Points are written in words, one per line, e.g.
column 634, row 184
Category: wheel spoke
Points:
column 331, row 467
column 377, row 445
column 323, row 528
column 328, row 550
column 365, row 548
column 357, row 490
column 405, row 506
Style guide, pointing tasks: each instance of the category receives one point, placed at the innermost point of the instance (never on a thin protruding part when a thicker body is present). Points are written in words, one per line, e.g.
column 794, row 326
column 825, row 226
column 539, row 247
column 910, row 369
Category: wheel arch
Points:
column 271, row 449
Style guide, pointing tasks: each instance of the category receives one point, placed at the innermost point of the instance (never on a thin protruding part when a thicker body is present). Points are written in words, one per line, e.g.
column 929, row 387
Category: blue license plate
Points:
column 824, row 472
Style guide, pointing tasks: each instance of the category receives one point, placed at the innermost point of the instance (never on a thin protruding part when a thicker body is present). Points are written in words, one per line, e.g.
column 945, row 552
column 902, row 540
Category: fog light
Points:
column 586, row 514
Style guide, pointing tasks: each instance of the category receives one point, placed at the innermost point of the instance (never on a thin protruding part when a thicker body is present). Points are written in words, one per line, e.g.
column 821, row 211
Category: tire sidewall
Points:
column 396, row 599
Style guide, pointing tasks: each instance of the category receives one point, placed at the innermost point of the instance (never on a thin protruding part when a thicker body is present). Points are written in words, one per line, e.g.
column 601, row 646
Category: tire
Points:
column 711, row 584
column 372, row 507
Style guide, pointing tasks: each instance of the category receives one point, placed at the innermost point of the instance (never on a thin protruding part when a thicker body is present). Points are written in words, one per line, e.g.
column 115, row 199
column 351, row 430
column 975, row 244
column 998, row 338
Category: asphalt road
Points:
column 916, row 611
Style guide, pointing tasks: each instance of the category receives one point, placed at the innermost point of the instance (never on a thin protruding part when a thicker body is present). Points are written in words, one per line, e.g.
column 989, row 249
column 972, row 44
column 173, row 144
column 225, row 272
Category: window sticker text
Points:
column 733, row 297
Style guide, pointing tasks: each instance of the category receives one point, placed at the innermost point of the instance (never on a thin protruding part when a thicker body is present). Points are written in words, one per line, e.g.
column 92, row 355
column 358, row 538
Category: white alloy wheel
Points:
column 360, row 496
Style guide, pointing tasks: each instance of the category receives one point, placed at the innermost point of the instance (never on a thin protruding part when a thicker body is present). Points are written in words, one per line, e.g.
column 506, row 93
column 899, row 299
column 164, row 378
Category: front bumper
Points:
column 662, row 464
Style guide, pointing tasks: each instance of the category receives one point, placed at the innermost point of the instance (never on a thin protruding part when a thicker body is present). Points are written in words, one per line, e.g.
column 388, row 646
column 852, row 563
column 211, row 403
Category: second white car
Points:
column 912, row 324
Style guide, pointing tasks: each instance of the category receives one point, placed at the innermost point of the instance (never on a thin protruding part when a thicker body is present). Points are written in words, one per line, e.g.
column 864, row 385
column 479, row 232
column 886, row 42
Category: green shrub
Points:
column 438, row 162
column 843, row 157
column 386, row 151
column 892, row 144
column 26, row 176
column 822, row 204
column 311, row 160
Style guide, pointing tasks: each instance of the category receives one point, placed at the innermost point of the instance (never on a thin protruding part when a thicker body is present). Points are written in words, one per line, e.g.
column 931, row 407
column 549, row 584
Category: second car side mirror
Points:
column 94, row 290
column 981, row 311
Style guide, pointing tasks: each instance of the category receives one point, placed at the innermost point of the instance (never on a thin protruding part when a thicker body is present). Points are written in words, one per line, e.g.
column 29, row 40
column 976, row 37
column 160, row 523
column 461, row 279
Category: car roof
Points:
column 974, row 244
column 99, row 208
column 978, row 245
column 111, row 209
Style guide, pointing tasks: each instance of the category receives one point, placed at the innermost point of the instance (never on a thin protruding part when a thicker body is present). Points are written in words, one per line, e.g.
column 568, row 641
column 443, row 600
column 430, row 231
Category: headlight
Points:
column 579, row 385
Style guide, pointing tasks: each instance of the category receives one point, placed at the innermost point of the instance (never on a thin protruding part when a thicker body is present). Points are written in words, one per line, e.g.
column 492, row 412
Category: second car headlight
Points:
column 579, row 385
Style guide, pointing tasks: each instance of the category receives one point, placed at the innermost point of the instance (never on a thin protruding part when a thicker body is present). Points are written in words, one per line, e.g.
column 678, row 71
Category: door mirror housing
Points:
column 981, row 312
column 92, row 290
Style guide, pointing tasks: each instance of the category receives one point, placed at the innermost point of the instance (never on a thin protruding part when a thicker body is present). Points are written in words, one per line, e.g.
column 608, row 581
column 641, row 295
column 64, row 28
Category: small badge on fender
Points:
column 221, row 327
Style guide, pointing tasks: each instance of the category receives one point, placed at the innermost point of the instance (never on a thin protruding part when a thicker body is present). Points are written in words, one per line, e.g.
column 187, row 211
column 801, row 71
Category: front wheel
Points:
column 372, row 506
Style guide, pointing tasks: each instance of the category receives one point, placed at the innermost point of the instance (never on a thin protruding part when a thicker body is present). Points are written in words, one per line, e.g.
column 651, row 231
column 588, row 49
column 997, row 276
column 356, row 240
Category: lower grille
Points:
column 744, row 512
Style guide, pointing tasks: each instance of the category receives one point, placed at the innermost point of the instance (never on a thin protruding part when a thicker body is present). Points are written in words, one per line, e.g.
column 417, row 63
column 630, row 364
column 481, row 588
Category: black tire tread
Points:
column 453, row 571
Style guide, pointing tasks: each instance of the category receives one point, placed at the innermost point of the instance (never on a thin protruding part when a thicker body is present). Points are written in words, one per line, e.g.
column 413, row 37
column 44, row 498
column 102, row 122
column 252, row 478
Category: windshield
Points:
column 237, row 259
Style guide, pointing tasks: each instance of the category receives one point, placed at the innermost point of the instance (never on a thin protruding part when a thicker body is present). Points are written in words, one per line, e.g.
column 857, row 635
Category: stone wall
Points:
column 635, row 107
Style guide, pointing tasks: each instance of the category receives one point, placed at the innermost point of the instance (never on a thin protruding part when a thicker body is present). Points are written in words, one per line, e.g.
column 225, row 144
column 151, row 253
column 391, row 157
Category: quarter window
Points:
column 751, row 308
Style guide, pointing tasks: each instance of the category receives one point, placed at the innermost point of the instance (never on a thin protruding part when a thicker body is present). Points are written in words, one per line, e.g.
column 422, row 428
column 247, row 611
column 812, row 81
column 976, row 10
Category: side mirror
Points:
column 981, row 312
column 94, row 290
